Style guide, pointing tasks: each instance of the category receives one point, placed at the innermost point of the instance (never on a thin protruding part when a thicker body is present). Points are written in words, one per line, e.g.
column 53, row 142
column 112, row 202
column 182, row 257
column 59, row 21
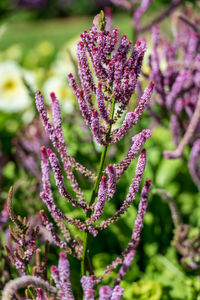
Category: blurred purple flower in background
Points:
column 32, row 3
column 177, row 87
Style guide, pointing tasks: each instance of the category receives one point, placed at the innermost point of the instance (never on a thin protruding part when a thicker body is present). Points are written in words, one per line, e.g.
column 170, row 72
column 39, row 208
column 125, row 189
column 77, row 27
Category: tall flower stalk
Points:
column 116, row 73
column 103, row 95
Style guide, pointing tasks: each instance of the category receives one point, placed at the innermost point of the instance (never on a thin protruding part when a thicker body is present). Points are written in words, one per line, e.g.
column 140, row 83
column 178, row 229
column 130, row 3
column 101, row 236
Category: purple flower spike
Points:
column 136, row 145
column 48, row 200
column 183, row 81
column 84, row 108
column 124, row 48
column 28, row 254
column 138, row 55
column 45, row 120
column 133, row 117
column 56, row 111
column 49, row 226
column 99, row 69
column 128, row 254
column 97, row 129
column 144, row 101
column 118, row 75
column 127, row 124
column 138, row 177
column 58, row 215
column 64, row 273
column 110, row 170
column 139, row 12
column 86, row 113
column 141, row 164
column 56, row 136
column 92, row 230
column 133, row 190
column 192, row 46
column 136, row 232
column 88, row 287
column 102, row 197
column 105, row 293
column 63, row 267
column 60, row 180
column 84, row 72
column 155, row 36
column 101, row 103
column 73, row 84
column 175, row 129
column 56, row 278
column 47, row 195
column 141, row 211
column 117, row 293
column 45, row 171
column 61, row 141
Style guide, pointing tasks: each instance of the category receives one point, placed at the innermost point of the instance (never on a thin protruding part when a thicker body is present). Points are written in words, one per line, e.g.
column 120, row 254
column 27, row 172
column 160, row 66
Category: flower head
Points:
column 13, row 93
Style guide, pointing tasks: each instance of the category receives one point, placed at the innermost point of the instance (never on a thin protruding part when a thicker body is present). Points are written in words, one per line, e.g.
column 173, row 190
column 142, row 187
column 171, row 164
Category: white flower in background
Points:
column 14, row 95
column 62, row 90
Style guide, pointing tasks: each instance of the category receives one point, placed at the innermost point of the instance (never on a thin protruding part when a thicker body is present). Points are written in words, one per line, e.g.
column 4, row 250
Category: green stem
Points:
column 96, row 187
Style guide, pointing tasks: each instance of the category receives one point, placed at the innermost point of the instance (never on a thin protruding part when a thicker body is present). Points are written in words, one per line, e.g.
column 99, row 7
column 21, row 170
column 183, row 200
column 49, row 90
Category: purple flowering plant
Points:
column 139, row 8
column 108, row 68
column 177, row 88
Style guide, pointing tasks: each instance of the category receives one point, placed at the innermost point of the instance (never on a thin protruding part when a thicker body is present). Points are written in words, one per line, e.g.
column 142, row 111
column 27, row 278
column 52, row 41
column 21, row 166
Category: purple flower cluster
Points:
column 61, row 277
column 139, row 13
column 138, row 9
column 24, row 238
column 32, row 3
column 116, row 66
column 28, row 145
column 117, row 75
column 177, row 88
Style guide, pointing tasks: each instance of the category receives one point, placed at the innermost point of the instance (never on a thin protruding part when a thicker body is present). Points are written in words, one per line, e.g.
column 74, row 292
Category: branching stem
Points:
column 96, row 187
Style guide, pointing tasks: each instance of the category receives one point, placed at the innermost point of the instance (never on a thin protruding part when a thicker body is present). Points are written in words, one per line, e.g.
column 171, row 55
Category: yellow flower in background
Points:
column 62, row 90
column 31, row 59
column 45, row 48
column 14, row 95
column 14, row 52
column 144, row 290
column 163, row 64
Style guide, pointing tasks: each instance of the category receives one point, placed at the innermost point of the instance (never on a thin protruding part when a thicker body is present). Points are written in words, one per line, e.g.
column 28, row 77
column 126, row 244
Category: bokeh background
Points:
column 37, row 51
